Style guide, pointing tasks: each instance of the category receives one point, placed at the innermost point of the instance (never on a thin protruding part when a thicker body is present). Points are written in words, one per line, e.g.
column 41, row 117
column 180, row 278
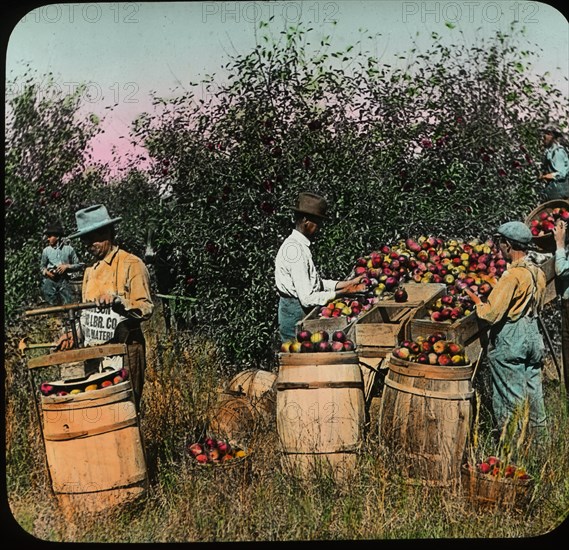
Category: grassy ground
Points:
column 254, row 499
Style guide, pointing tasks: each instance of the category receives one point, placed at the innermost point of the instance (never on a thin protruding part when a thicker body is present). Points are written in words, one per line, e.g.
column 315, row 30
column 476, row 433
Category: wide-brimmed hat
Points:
column 553, row 129
column 92, row 218
column 515, row 231
column 311, row 204
column 54, row 229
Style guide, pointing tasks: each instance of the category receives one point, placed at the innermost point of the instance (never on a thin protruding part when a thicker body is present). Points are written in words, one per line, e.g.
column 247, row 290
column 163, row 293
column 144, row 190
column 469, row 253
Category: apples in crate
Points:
column 345, row 307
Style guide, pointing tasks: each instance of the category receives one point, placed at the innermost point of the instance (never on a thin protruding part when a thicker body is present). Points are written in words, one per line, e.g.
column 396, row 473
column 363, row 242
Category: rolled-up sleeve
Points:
column 138, row 296
column 303, row 276
column 496, row 307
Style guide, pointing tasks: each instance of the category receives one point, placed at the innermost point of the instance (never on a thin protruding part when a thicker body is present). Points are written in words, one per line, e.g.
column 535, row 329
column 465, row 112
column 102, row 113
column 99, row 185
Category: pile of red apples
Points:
column 432, row 350
column 214, row 451
column 318, row 341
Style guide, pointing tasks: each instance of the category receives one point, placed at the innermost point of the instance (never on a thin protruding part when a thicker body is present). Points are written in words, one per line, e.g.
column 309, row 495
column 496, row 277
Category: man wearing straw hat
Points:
column 120, row 285
column 516, row 349
column 299, row 285
column 555, row 164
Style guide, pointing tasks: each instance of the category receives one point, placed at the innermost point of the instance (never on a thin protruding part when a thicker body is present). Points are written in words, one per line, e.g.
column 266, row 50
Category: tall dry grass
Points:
column 254, row 499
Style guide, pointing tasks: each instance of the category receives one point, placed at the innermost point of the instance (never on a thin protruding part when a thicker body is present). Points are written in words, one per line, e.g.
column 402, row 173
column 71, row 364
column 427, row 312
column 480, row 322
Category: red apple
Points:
column 196, row 449
column 339, row 336
column 337, row 346
column 304, row 336
column 400, row 295
column 306, row 346
column 349, row 345
column 323, row 346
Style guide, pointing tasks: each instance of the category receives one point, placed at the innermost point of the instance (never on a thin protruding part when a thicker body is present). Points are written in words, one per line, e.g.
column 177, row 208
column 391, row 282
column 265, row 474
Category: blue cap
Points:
column 515, row 231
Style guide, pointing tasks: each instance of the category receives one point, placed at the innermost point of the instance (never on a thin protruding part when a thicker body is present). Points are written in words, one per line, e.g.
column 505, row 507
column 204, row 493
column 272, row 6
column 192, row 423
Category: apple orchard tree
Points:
column 446, row 145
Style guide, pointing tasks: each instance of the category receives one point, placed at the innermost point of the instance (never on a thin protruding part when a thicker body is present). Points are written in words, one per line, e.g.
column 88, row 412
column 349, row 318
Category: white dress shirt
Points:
column 296, row 275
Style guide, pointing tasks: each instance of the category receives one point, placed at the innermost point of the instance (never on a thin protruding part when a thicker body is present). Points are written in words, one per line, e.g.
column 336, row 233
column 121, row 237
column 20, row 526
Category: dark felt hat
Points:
column 311, row 204
column 54, row 229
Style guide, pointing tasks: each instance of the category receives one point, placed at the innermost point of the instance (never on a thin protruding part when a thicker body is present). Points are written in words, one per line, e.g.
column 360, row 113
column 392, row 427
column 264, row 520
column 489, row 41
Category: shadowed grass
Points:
column 253, row 499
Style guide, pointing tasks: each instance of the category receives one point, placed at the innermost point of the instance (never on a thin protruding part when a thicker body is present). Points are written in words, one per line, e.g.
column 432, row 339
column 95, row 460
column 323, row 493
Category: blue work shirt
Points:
column 61, row 253
column 556, row 160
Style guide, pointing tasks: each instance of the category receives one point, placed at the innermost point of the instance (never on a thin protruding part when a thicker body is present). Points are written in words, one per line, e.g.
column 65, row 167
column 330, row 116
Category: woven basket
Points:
column 485, row 490
column 546, row 242
column 233, row 463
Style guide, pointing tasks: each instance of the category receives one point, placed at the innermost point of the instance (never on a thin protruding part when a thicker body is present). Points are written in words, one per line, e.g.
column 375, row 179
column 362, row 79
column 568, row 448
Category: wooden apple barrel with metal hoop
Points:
column 320, row 412
column 425, row 419
column 92, row 440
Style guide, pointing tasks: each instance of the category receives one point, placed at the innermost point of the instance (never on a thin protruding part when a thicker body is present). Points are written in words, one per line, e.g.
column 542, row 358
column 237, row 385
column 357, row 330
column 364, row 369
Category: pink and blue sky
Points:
column 123, row 51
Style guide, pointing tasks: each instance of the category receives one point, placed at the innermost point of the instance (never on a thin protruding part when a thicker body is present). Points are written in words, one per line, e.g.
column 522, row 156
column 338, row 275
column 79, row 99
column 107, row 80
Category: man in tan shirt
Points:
column 516, row 350
column 120, row 284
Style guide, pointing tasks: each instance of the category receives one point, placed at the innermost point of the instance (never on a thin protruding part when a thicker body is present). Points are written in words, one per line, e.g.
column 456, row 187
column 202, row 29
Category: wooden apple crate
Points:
column 384, row 325
column 468, row 331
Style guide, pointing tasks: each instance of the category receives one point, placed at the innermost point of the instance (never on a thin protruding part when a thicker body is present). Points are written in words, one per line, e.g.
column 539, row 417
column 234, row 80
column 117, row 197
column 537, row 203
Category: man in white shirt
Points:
column 299, row 285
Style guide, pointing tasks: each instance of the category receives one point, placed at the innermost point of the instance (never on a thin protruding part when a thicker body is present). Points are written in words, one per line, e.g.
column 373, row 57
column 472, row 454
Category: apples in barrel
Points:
column 431, row 350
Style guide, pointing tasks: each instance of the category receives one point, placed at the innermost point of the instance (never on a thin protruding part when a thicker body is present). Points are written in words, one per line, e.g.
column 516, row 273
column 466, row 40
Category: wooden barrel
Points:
column 320, row 412
column 425, row 419
column 254, row 383
column 94, row 449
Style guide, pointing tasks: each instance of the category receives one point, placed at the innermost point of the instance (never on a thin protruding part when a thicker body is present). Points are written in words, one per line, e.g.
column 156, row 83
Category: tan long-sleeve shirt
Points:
column 125, row 275
column 512, row 292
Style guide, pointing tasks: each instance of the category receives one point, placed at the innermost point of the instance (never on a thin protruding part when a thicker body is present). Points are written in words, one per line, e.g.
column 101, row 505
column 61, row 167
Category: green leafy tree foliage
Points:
column 46, row 150
column 50, row 175
column 446, row 145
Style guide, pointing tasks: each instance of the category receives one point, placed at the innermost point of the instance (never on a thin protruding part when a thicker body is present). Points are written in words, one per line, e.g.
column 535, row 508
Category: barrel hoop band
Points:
column 90, row 433
column 419, row 372
column 349, row 450
column 96, row 400
column 65, row 488
column 428, row 393
column 318, row 385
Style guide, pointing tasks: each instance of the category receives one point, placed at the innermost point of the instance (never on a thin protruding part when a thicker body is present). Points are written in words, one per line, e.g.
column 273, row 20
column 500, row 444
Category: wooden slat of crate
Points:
column 423, row 292
column 383, row 326
column 461, row 331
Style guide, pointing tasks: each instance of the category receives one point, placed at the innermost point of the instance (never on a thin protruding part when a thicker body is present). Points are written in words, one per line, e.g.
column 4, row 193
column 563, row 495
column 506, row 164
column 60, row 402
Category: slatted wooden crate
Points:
column 384, row 325
column 314, row 323
column 468, row 331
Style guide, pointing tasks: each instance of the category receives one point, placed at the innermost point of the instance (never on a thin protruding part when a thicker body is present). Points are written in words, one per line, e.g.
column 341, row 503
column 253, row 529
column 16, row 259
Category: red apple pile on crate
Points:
column 318, row 341
column 432, row 350
column 117, row 377
column 545, row 221
column 449, row 308
column 495, row 467
column 345, row 307
column 214, row 451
